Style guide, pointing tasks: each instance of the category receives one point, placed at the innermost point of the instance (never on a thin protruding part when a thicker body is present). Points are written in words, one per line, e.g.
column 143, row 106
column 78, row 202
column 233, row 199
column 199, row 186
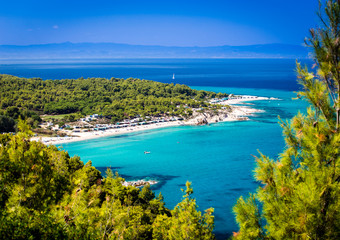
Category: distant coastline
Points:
column 70, row 50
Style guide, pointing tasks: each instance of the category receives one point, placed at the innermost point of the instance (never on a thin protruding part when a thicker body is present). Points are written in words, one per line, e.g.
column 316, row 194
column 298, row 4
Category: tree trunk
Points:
column 337, row 118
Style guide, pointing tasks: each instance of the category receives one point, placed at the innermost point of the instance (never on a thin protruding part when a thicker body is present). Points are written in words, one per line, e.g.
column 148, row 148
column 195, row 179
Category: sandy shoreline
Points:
column 236, row 114
column 105, row 133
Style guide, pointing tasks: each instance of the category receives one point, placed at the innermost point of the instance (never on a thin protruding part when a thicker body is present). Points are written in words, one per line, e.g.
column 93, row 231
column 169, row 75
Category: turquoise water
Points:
column 217, row 159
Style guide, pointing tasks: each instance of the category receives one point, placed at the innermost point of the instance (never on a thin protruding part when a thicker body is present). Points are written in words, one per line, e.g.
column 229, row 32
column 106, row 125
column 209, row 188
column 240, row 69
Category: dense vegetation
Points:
column 10, row 116
column 46, row 194
column 299, row 197
column 115, row 98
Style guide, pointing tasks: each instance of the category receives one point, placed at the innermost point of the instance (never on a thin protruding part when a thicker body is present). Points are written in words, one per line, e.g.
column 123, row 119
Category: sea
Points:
column 218, row 159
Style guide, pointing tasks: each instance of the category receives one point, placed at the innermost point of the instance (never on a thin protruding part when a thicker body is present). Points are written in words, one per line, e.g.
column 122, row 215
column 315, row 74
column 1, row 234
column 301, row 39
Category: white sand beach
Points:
column 83, row 136
column 239, row 112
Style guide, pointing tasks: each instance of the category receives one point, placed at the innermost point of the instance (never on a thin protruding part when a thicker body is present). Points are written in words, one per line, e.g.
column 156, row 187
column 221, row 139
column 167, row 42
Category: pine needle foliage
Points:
column 46, row 194
column 299, row 197
column 185, row 222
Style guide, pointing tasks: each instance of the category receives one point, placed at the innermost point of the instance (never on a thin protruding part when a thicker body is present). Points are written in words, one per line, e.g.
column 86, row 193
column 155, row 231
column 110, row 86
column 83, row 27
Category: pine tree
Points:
column 185, row 222
column 300, row 191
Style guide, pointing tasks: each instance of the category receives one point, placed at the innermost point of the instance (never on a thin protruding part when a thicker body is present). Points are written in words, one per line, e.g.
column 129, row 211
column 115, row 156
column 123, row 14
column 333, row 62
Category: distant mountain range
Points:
column 69, row 50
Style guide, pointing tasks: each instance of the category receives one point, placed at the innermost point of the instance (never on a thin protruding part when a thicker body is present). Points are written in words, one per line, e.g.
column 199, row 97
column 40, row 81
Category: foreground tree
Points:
column 185, row 221
column 300, row 193
column 46, row 194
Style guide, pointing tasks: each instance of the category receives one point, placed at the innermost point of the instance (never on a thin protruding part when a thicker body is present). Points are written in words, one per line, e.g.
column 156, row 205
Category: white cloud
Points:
column 55, row 27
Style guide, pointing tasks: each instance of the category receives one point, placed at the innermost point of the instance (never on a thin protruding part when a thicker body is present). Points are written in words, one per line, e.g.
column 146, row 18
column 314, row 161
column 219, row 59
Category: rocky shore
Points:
column 235, row 109
column 139, row 183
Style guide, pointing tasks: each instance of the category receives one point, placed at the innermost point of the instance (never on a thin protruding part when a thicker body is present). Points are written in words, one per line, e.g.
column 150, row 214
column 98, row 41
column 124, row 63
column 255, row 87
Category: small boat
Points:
column 146, row 152
column 173, row 76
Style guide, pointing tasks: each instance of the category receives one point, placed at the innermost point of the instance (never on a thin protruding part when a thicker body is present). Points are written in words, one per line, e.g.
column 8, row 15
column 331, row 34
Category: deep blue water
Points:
column 241, row 73
column 217, row 159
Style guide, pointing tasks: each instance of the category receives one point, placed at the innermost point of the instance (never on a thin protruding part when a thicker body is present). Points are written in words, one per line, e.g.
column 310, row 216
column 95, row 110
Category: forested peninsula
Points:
column 113, row 99
column 117, row 98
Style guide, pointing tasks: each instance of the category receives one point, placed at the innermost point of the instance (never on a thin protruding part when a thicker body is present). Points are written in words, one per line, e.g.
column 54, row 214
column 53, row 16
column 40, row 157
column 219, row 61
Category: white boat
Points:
column 173, row 76
column 146, row 152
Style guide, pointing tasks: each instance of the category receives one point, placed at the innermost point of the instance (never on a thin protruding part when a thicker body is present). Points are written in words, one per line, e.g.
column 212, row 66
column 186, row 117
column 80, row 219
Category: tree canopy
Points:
column 46, row 194
column 115, row 98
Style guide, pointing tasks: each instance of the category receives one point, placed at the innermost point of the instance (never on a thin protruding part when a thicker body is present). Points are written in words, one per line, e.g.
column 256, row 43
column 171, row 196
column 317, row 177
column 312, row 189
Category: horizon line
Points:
column 151, row 45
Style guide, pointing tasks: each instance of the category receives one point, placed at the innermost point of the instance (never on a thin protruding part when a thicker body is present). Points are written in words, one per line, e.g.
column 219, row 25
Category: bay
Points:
column 217, row 159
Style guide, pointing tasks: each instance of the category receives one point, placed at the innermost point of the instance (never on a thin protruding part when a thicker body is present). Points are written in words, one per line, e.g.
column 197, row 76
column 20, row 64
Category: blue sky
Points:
column 162, row 22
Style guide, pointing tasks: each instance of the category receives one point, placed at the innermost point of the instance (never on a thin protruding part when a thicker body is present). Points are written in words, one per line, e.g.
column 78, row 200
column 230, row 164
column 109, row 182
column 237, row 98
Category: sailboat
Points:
column 173, row 76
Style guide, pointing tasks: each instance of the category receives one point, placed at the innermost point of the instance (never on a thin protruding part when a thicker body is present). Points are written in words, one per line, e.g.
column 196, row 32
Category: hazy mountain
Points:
column 113, row 50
